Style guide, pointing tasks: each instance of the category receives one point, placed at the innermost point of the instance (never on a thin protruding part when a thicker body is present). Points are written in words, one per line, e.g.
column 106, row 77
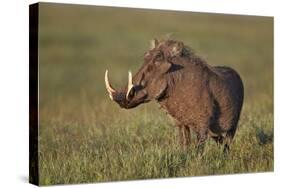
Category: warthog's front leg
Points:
column 202, row 136
column 184, row 136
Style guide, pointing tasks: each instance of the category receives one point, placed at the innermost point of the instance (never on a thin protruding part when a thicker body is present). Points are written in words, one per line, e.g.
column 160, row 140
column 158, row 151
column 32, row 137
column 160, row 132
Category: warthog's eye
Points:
column 159, row 57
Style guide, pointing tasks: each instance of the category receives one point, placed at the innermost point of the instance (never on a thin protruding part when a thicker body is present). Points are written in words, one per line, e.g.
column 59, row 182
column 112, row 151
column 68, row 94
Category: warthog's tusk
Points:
column 130, row 84
column 109, row 89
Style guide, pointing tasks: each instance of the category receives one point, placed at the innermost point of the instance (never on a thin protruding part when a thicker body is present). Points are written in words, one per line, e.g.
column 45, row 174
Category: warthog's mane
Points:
column 178, row 49
column 186, row 56
column 185, row 51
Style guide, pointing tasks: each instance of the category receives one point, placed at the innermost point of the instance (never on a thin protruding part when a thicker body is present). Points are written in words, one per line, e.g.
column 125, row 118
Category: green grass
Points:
column 85, row 137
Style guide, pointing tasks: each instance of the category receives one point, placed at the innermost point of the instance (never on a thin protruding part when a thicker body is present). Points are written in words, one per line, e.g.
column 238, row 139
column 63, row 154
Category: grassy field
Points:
column 85, row 137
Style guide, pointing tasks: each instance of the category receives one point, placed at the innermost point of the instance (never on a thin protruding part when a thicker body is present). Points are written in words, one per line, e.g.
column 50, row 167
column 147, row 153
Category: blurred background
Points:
column 85, row 137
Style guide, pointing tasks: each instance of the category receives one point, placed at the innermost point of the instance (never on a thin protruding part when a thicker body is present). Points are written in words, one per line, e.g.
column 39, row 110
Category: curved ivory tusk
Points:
column 109, row 89
column 130, row 84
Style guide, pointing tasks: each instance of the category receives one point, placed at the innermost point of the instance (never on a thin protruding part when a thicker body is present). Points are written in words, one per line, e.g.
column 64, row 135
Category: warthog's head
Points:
column 150, row 82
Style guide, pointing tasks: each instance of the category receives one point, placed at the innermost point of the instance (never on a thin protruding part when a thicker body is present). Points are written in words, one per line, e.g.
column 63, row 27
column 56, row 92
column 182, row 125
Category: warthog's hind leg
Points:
column 227, row 140
column 222, row 140
column 218, row 139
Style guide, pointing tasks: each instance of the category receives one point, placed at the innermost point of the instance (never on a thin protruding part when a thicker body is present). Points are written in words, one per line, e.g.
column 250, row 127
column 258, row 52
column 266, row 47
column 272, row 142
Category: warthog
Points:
column 206, row 99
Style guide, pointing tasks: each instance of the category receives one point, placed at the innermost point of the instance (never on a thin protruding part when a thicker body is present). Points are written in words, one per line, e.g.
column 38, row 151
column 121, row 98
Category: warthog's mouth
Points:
column 124, row 96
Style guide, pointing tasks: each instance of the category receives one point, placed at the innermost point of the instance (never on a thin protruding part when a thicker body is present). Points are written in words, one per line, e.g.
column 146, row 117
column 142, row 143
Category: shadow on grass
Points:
column 264, row 137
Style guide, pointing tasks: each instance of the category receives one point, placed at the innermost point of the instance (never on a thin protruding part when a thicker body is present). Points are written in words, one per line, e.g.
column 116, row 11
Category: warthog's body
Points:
column 205, row 99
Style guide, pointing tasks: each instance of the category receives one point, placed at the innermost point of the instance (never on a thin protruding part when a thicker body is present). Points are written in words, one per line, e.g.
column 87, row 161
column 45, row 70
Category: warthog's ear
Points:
column 177, row 49
column 153, row 43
